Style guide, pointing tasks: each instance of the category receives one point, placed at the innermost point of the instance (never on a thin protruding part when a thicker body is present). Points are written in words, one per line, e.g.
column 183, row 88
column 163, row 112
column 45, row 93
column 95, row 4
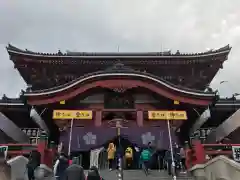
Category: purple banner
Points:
column 86, row 138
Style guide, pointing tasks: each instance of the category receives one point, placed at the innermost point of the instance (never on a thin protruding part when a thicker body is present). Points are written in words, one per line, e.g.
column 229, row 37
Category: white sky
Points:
column 134, row 25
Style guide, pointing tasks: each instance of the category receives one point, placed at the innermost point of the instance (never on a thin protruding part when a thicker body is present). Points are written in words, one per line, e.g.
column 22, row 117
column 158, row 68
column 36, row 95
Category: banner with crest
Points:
column 87, row 138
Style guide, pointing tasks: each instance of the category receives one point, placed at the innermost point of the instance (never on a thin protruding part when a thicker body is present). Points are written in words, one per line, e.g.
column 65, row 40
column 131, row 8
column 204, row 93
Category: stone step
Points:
column 140, row 175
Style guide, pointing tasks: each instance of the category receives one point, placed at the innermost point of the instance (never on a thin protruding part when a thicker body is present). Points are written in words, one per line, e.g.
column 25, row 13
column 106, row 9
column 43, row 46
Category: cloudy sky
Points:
column 134, row 25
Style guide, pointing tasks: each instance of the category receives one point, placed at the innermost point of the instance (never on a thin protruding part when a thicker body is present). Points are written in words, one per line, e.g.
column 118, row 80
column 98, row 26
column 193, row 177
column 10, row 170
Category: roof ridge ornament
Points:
column 119, row 67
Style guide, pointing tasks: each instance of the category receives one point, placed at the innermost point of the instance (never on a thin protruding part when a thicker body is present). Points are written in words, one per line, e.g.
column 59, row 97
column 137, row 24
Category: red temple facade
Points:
column 144, row 90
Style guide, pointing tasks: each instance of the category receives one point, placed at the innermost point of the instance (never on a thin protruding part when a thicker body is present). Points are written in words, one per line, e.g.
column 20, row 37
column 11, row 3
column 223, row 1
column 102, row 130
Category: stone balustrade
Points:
column 5, row 171
column 43, row 172
column 15, row 169
column 218, row 168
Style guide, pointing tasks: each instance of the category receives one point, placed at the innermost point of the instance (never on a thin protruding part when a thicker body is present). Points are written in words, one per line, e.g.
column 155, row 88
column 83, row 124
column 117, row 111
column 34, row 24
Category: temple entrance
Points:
column 122, row 143
column 83, row 158
column 94, row 142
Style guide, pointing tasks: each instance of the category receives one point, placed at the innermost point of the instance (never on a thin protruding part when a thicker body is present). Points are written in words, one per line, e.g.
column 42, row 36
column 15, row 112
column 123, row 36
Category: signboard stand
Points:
column 70, row 138
column 236, row 153
column 167, row 115
column 5, row 150
column 71, row 115
column 171, row 149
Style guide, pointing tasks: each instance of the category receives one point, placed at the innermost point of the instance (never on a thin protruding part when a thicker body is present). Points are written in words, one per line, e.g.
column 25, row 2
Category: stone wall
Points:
column 5, row 171
column 219, row 168
column 43, row 172
column 15, row 169
column 18, row 168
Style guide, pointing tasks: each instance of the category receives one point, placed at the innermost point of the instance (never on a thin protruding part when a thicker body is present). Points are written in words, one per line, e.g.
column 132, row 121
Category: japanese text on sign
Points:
column 72, row 114
column 167, row 115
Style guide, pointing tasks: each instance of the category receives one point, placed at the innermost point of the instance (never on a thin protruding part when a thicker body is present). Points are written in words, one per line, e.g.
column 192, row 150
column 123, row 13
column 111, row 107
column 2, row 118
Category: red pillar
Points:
column 140, row 118
column 98, row 118
column 50, row 155
column 188, row 161
column 200, row 152
column 42, row 146
column 195, row 155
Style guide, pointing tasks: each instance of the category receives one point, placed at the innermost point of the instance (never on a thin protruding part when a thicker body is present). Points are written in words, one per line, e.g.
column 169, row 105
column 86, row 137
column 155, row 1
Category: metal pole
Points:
column 171, row 149
column 120, row 168
column 70, row 138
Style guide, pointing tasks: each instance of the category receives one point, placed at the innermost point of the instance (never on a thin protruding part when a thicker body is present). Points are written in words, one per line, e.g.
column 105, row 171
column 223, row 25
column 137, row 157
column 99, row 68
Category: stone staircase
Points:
column 220, row 167
column 140, row 175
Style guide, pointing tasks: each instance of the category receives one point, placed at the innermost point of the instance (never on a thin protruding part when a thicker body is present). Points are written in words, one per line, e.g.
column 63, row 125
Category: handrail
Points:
column 209, row 145
column 11, row 144
column 102, row 160
column 218, row 149
column 218, row 152
column 211, row 150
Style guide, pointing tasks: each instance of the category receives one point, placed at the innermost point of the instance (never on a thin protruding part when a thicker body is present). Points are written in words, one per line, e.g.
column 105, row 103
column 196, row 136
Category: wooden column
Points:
column 42, row 146
column 140, row 118
column 50, row 155
column 199, row 151
column 98, row 118
column 195, row 155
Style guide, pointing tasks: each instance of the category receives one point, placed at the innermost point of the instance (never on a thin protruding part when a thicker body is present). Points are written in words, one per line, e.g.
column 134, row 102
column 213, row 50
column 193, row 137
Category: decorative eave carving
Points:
column 119, row 80
column 119, row 67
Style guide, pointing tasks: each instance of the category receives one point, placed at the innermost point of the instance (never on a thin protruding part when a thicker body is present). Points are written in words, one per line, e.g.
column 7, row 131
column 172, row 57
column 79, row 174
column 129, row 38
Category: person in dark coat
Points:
column 33, row 163
column 62, row 165
column 93, row 174
column 159, row 155
column 74, row 172
column 168, row 159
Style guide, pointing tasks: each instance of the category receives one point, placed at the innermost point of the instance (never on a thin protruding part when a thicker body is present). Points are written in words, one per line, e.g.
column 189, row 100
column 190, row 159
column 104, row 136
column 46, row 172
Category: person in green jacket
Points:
column 145, row 158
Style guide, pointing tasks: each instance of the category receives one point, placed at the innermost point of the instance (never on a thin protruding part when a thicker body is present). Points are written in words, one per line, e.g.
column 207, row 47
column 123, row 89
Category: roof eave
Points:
column 210, row 95
column 15, row 50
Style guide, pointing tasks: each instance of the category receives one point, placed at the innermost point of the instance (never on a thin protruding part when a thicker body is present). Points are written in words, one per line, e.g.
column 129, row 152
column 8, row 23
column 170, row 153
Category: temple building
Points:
column 91, row 98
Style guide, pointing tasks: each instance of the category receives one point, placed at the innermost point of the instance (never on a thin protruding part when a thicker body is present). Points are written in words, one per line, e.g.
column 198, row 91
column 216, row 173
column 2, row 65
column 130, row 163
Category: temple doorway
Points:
column 83, row 158
column 122, row 143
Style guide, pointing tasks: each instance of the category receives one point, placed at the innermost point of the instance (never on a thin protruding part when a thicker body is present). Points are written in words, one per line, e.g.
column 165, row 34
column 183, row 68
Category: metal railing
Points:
column 219, row 149
column 102, row 160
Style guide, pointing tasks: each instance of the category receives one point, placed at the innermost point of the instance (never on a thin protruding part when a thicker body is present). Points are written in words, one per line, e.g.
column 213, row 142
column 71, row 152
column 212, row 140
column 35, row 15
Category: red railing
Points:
column 47, row 154
column 219, row 149
column 19, row 149
column 197, row 154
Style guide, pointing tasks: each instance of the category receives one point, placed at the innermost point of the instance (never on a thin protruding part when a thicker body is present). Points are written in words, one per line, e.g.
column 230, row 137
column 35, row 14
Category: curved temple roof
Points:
column 15, row 50
column 111, row 79
column 122, row 74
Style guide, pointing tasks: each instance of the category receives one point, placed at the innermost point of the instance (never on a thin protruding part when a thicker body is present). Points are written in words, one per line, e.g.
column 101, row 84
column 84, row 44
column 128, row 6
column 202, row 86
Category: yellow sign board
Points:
column 176, row 102
column 62, row 102
column 167, row 115
column 72, row 114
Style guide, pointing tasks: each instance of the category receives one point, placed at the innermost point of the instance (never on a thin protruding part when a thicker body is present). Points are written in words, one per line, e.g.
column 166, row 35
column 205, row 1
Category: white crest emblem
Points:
column 90, row 138
column 147, row 137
